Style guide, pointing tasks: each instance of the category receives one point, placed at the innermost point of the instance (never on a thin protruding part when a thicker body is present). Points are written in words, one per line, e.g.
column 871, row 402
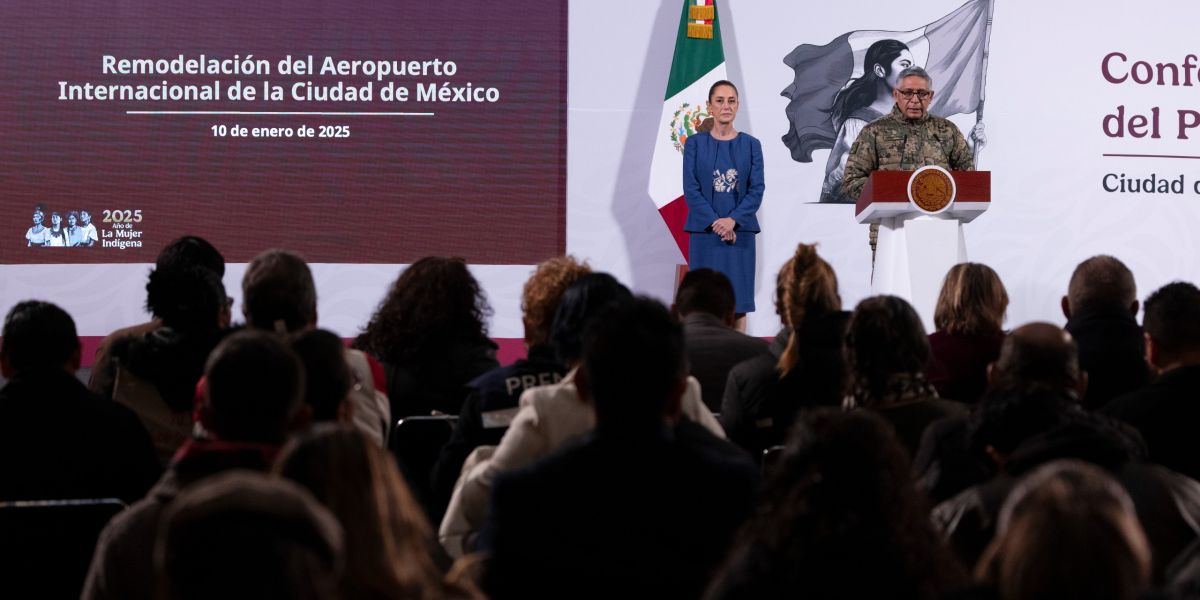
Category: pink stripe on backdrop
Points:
column 511, row 349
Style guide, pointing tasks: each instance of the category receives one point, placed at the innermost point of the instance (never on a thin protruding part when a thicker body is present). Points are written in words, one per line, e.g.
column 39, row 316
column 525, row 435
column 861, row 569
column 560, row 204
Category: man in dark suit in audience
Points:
column 57, row 439
column 1030, row 417
column 1101, row 308
column 705, row 304
column 645, row 505
column 253, row 399
column 1167, row 412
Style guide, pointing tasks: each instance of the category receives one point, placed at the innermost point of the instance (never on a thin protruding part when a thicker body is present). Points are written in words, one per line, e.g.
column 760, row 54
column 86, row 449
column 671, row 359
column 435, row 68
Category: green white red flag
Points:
column 699, row 62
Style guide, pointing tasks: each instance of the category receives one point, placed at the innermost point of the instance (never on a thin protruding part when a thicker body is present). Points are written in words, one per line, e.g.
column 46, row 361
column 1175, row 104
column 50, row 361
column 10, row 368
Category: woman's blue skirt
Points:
column 736, row 261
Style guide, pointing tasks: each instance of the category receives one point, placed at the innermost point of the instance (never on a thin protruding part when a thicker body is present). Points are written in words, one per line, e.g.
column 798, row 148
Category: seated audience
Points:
column 1101, row 308
column 187, row 252
column 278, row 295
column 244, row 535
column 1068, row 531
column 388, row 540
column 705, row 303
column 549, row 416
column 635, row 507
column 1166, row 412
column 155, row 374
column 840, row 517
column 430, row 335
column 968, row 316
column 58, row 440
column 492, row 402
column 764, row 394
column 328, row 380
column 252, row 400
column 1032, row 417
column 887, row 350
column 1034, row 358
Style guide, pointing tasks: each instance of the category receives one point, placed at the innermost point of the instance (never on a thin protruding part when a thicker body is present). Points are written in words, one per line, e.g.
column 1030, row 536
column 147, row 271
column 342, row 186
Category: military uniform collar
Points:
column 899, row 116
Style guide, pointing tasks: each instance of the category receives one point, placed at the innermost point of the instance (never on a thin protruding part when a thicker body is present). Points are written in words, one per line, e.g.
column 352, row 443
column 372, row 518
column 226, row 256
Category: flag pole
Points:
column 987, row 44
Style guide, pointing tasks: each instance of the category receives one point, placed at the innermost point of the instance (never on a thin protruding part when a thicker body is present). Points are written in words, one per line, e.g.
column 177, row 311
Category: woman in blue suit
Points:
column 723, row 186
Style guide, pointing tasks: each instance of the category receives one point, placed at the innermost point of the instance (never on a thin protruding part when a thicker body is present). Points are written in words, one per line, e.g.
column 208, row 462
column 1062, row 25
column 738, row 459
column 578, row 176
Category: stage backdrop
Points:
column 1078, row 101
column 1073, row 104
column 361, row 134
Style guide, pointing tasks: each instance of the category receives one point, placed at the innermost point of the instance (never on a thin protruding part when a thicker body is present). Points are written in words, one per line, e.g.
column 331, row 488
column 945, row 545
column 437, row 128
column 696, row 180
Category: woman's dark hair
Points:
column 436, row 300
column 862, row 91
column 713, row 88
column 885, row 337
column 388, row 538
column 582, row 301
column 327, row 377
column 187, row 299
column 840, row 517
column 190, row 251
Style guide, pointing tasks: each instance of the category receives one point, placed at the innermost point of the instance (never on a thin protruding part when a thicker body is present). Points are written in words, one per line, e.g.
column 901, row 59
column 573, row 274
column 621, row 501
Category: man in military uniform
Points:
column 905, row 140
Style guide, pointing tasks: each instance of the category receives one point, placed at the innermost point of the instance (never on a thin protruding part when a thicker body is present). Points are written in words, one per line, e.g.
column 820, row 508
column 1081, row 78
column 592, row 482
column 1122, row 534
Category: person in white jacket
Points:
column 548, row 417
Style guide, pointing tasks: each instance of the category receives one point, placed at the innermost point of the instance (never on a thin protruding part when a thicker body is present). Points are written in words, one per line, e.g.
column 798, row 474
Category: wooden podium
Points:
column 918, row 245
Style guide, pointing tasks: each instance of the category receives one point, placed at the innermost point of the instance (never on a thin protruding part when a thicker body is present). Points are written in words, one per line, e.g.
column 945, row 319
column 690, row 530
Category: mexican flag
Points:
column 698, row 63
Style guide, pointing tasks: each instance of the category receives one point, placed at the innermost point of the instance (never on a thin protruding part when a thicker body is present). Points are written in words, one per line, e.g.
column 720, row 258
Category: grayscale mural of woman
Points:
column 865, row 99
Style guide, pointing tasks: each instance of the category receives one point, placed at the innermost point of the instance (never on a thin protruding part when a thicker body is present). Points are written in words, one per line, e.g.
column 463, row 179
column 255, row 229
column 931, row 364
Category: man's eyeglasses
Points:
column 920, row 94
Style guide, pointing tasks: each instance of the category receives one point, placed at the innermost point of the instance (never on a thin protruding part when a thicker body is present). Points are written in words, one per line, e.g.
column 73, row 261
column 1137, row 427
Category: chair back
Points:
column 46, row 546
column 416, row 442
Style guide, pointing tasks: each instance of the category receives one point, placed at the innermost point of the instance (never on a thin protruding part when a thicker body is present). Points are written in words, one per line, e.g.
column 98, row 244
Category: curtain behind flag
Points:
column 952, row 50
column 698, row 62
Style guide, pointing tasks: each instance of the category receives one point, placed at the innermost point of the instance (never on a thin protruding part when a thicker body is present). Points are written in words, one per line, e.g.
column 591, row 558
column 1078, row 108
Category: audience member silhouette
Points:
column 388, row 540
column 185, row 253
column 641, row 506
column 1167, row 411
column 430, row 335
column 155, row 374
column 550, row 416
column 705, row 304
column 57, row 439
column 493, row 400
column 840, row 517
column 1068, row 531
column 1023, row 425
column 887, row 351
column 1101, row 308
column 252, row 400
column 968, row 316
column 328, row 380
column 278, row 295
column 243, row 535
column 764, row 394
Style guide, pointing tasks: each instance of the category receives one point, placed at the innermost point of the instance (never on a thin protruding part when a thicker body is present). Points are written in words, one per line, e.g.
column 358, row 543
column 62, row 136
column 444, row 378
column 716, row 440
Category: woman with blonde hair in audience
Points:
column 764, row 394
column 969, row 316
column 887, row 351
column 389, row 544
column 1068, row 531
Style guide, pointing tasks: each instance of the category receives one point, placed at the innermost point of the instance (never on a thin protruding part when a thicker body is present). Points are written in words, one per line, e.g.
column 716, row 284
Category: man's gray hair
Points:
column 916, row 72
